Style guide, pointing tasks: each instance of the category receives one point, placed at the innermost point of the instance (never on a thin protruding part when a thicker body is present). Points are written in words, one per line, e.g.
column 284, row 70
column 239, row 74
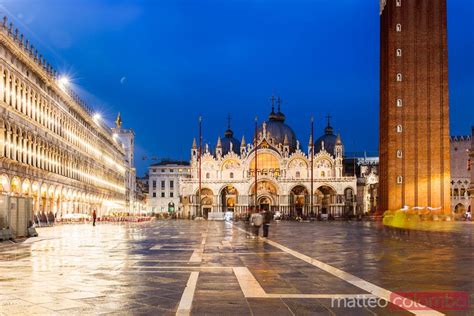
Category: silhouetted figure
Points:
column 257, row 221
column 267, row 218
column 94, row 217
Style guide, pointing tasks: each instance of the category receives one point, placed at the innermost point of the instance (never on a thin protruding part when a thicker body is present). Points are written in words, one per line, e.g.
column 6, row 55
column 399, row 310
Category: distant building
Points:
column 414, row 106
column 366, row 169
column 163, row 185
column 127, row 138
column 141, row 193
column 460, row 174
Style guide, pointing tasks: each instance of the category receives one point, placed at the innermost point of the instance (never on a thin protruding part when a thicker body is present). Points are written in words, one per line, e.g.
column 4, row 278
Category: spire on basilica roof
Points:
column 286, row 142
column 329, row 130
column 194, row 144
column 219, row 142
column 338, row 140
column 228, row 133
column 242, row 143
column 273, row 116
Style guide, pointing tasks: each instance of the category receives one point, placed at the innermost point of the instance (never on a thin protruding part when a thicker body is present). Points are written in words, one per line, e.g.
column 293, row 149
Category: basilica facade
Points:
column 288, row 180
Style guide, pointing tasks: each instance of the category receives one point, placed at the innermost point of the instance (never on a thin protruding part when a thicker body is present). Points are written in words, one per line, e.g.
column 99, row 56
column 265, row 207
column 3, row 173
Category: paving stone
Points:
column 143, row 269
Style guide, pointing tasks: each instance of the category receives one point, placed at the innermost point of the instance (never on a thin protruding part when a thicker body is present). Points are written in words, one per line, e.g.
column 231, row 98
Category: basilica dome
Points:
column 278, row 130
column 228, row 140
column 328, row 141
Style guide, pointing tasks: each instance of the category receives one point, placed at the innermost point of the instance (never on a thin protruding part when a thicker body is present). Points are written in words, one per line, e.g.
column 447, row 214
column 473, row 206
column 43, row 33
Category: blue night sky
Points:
column 162, row 63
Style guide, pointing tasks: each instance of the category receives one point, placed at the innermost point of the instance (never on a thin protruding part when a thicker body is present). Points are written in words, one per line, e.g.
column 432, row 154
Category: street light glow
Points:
column 97, row 117
column 63, row 81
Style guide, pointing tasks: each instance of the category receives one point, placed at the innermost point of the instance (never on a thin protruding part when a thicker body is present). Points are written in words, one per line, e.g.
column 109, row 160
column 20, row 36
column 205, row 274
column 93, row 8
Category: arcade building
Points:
column 289, row 181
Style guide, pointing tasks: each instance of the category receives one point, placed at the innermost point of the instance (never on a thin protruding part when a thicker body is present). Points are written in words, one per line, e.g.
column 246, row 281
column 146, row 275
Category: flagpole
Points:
column 256, row 156
column 200, row 171
column 312, row 166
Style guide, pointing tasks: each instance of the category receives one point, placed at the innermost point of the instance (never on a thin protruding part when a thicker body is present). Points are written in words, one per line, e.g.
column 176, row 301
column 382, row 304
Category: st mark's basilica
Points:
column 227, row 175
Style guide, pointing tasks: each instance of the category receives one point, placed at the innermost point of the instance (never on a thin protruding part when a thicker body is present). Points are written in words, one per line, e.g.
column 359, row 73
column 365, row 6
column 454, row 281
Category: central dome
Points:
column 278, row 130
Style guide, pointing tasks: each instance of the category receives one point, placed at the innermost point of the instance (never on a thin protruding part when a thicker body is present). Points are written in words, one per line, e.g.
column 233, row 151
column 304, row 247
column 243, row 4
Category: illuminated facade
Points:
column 414, row 106
column 283, row 175
column 52, row 148
column 460, row 175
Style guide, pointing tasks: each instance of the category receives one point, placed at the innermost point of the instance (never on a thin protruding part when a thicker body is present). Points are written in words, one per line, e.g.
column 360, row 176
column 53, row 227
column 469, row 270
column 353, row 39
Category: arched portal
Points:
column 326, row 197
column 206, row 203
column 349, row 200
column 299, row 197
column 265, row 189
column 16, row 186
column 229, row 198
column 459, row 210
column 4, row 184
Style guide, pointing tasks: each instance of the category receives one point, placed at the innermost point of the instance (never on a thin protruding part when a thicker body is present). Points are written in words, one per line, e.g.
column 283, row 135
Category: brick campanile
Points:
column 414, row 105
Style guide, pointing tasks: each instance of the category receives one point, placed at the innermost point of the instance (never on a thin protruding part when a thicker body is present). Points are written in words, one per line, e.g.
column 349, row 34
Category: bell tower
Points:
column 414, row 106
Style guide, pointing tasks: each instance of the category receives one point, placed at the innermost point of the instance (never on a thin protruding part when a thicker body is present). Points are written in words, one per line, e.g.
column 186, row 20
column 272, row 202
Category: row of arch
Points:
column 27, row 148
column 26, row 99
column 50, row 198
column 295, row 202
column 460, row 189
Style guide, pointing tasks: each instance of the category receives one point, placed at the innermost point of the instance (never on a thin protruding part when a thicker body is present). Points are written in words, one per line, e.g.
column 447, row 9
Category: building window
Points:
column 163, row 185
column 399, row 154
column 399, row 103
column 399, row 77
column 171, row 170
column 154, row 183
column 154, row 170
column 162, row 170
column 298, row 174
column 171, row 184
column 208, row 175
column 171, row 194
column 323, row 174
column 399, row 52
column 162, row 194
column 399, row 180
column 231, row 175
column 399, row 27
column 399, row 129
column 154, row 194
column 399, row 3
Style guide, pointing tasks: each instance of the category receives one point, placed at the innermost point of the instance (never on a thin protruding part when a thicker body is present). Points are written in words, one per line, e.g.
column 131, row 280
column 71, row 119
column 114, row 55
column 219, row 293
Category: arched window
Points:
column 323, row 174
column 298, row 174
column 231, row 175
column 399, row 154
column 399, row 103
column 399, row 180
column 399, row 52
column 399, row 128
column 399, row 77
column 398, row 3
column 399, row 27
column 208, row 175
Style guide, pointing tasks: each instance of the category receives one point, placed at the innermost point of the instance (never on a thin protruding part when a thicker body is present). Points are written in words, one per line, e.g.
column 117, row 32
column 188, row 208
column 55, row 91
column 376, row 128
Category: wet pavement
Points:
column 216, row 268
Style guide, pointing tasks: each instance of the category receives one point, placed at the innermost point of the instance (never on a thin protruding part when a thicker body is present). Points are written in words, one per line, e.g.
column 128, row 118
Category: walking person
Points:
column 267, row 218
column 94, row 217
column 257, row 220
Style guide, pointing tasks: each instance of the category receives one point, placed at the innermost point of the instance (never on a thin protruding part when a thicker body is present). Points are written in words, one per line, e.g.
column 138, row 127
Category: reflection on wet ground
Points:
column 215, row 268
